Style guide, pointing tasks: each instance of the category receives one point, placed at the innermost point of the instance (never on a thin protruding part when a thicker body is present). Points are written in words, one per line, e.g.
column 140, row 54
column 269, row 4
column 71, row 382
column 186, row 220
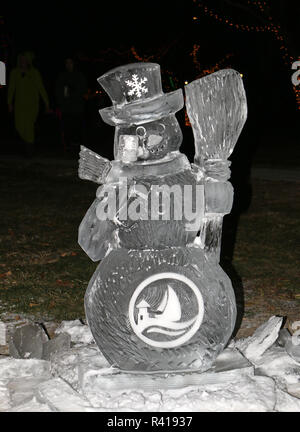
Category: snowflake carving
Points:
column 137, row 86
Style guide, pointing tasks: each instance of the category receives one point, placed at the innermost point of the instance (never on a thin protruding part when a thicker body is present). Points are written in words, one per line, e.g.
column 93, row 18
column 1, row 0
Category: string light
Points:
column 172, row 81
column 103, row 55
column 139, row 58
column 186, row 119
column 211, row 69
column 205, row 71
column 270, row 27
column 193, row 54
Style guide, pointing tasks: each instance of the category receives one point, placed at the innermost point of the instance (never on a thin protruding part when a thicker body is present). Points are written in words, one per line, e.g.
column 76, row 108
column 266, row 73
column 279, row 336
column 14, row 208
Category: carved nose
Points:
column 153, row 140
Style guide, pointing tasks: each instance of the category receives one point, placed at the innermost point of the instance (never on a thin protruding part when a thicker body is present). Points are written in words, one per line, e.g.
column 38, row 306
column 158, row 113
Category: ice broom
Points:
column 217, row 109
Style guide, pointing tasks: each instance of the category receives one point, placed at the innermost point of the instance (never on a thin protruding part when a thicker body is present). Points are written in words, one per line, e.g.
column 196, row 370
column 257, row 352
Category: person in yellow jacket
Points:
column 24, row 88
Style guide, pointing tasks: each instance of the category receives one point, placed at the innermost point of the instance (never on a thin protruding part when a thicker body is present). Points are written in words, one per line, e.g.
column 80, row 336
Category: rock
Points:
column 5, row 402
column 230, row 359
column 133, row 400
column 293, row 326
column 292, row 347
column 60, row 343
column 27, row 341
column 294, row 389
column 84, row 380
column 22, row 390
column 31, row 406
column 276, row 363
column 291, row 343
column 11, row 368
column 246, row 393
column 61, row 397
column 93, row 365
column 7, row 329
column 79, row 332
column 13, row 352
column 283, row 336
column 112, row 380
column 66, row 364
column 50, row 327
column 286, row 402
column 262, row 339
column 2, row 333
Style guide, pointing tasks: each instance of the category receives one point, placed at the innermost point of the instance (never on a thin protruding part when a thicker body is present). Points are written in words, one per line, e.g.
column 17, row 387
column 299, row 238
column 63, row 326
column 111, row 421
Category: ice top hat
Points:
column 136, row 93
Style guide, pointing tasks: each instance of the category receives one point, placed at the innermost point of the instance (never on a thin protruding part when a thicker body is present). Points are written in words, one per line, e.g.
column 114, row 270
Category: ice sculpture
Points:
column 158, row 300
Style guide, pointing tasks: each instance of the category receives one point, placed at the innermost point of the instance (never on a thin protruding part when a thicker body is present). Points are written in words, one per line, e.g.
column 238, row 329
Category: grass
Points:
column 267, row 251
column 43, row 270
column 44, row 273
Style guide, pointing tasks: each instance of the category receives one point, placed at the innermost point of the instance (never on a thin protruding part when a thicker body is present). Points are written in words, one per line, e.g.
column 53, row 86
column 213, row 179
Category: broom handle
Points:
column 216, row 174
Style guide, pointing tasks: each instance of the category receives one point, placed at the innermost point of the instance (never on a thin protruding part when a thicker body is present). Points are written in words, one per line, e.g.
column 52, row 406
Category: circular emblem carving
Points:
column 166, row 310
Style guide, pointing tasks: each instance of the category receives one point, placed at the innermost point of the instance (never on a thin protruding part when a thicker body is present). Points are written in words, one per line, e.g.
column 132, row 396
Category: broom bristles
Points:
column 217, row 109
column 92, row 166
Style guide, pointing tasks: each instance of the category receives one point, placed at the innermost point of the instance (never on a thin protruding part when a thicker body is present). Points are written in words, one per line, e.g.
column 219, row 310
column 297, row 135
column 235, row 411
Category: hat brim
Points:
column 145, row 111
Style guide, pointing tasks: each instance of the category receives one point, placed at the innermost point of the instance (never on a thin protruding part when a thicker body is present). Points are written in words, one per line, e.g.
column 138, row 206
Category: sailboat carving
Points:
column 165, row 318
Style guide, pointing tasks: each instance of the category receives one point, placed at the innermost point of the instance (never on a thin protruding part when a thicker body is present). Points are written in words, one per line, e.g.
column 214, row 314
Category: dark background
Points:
column 101, row 35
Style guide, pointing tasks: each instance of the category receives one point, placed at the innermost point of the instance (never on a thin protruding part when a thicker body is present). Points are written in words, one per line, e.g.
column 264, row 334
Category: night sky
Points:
column 103, row 32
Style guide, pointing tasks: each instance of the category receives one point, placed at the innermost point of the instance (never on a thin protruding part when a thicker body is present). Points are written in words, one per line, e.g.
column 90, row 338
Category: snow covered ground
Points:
column 252, row 374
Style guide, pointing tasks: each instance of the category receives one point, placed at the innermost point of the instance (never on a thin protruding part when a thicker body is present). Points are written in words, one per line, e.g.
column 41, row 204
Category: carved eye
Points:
column 141, row 131
column 162, row 128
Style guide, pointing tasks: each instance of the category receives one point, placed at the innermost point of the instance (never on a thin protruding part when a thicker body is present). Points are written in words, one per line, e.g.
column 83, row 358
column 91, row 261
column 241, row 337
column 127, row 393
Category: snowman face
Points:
column 155, row 139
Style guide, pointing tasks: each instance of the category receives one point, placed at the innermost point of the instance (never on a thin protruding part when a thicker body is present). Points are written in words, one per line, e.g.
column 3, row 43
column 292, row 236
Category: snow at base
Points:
column 253, row 374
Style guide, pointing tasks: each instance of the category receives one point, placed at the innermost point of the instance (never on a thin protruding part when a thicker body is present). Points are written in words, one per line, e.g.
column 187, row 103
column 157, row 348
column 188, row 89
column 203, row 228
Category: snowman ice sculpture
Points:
column 158, row 300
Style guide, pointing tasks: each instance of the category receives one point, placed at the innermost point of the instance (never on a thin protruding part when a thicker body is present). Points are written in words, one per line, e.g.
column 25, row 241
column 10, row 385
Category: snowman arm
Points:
column 92, row 166
column 95, row 236
column 218, row 195
column 218, row 198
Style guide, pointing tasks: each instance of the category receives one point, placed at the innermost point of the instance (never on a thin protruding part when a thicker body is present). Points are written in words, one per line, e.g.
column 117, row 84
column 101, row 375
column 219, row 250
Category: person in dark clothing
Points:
column 24, row 91
column 70, row 89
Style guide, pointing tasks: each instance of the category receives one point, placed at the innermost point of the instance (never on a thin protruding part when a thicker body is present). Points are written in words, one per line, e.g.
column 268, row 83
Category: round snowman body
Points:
column 160, row 310
column 157, row 303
